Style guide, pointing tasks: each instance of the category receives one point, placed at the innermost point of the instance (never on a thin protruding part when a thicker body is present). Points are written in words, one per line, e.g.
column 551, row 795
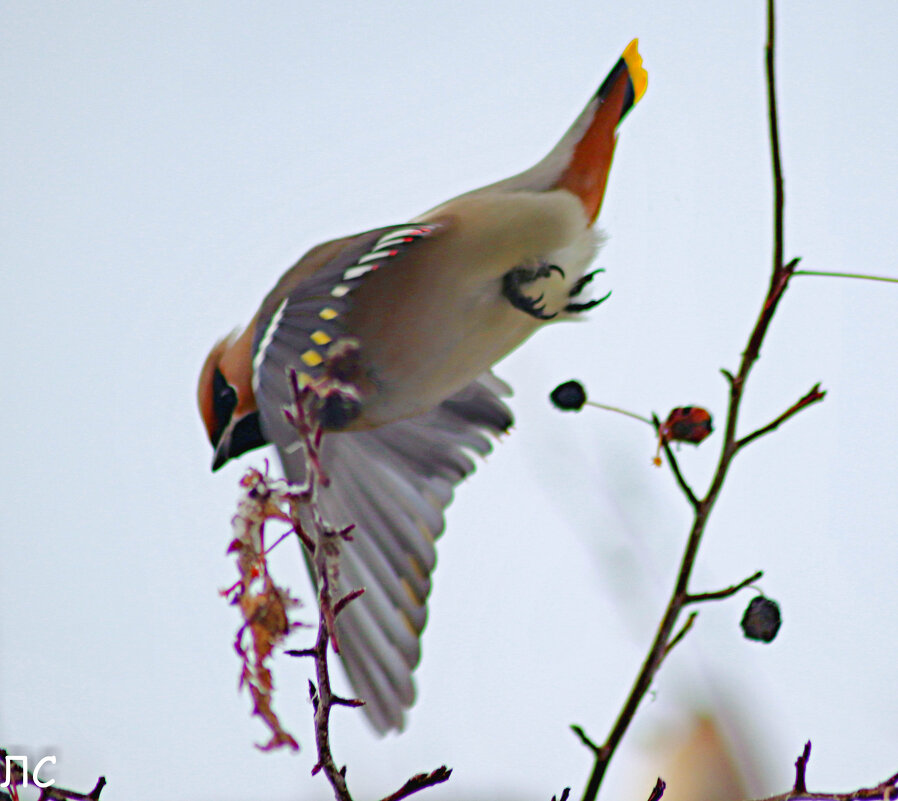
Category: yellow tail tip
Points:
column 638, row 76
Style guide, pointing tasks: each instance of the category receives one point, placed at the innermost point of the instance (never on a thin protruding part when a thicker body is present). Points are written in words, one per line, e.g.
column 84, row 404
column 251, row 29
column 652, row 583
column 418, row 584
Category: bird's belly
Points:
column 424, row 353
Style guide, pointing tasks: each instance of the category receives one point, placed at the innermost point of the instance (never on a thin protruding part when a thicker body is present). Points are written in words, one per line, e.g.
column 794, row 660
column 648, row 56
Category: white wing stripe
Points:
column 397, row 235
column 355, row 272
column 375, row 255
column 266, row 341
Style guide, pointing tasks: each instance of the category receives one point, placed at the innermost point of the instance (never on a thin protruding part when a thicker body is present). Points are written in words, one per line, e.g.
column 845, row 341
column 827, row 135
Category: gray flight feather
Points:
column 394, row 482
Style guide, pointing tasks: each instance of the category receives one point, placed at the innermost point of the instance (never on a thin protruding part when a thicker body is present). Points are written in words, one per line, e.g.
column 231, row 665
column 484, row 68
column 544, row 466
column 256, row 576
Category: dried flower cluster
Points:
column 264, row 605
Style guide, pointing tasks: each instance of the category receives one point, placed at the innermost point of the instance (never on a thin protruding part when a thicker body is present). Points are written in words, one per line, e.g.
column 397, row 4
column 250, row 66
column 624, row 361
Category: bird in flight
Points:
column 407, row 321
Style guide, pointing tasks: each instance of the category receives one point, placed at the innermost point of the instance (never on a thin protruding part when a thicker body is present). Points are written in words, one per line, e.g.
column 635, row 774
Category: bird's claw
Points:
column 577, row 288
column 590, row 304
column 519, row 277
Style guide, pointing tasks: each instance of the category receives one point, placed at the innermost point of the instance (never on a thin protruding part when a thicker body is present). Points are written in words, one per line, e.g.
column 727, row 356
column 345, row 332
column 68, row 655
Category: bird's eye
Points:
column 224, row 401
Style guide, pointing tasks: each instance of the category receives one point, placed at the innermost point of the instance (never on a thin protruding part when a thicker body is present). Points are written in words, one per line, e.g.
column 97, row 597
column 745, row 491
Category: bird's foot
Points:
column 515, row 280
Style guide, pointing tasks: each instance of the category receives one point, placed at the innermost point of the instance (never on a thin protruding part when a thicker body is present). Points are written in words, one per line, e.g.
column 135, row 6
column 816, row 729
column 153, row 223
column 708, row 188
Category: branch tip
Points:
column 724, row 593
column 658, row 790
column 814, row 395
column 419, row 782
column 801, row 766
column 585, row 739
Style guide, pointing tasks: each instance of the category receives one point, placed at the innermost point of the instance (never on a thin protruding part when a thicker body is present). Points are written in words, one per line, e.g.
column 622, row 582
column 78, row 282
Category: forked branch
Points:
column 665, row 638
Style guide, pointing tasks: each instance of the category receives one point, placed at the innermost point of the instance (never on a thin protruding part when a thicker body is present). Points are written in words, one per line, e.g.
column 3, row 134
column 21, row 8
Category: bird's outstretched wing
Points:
column 393, row 483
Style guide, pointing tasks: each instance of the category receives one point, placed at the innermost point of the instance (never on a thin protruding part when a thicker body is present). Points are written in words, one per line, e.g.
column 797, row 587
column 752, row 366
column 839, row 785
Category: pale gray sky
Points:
column 164, row 163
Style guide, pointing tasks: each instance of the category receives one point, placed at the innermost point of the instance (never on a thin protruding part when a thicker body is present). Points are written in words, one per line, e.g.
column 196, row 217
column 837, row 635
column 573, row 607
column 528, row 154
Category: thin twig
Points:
column 419, row 782
column 585, row 739
column 814, row 395
column 618, row 410
column 681, row 633
column 675, row 466
column 860, row 276
column 725, row 593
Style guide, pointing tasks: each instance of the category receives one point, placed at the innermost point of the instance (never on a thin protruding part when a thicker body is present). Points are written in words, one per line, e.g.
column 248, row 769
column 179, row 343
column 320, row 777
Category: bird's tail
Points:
column 582, row 158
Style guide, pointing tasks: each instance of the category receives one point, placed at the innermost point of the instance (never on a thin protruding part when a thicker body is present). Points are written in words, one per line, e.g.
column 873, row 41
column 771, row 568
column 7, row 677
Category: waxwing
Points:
column 415, row 314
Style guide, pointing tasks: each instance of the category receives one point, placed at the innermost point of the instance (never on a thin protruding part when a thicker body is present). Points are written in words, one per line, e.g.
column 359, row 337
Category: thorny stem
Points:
column 779, row 279
column 323, row 706
column 323, row 698
column 21, row 777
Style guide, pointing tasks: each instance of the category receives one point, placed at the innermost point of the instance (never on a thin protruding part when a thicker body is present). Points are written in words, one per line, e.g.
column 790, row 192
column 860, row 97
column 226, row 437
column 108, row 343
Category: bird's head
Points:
column 226, row 399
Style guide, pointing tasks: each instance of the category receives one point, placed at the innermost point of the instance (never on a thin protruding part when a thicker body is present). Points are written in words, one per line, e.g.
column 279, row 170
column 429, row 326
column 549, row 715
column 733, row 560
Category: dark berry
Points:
column 761, row 620
column 569, row 396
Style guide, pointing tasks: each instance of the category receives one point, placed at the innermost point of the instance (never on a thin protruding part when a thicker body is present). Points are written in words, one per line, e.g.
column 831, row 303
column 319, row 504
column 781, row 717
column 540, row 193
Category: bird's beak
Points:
column 239, row 436
column 222, row 451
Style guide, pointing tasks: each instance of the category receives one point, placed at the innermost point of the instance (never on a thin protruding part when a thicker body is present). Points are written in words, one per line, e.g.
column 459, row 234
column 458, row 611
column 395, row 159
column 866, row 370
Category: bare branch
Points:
column 702, row 507
column 419, row 782
column 725, row 593
column 814, row 395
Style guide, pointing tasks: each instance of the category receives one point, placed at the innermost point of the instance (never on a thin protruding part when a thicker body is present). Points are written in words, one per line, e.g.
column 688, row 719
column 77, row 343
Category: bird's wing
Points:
column 304, row 315
column 393, row 483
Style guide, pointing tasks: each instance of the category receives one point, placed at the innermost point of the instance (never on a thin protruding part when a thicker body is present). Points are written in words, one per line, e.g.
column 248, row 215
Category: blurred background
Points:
column 165, row 162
